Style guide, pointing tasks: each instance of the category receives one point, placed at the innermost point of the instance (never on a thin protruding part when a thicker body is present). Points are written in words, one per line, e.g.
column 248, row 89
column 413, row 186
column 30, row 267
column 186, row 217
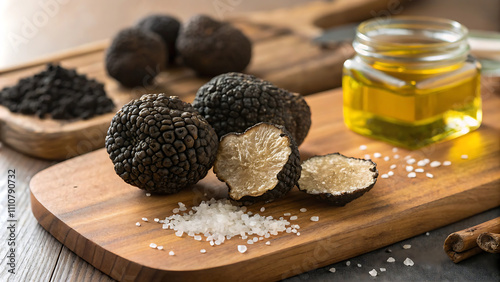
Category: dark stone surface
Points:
column 431, row 262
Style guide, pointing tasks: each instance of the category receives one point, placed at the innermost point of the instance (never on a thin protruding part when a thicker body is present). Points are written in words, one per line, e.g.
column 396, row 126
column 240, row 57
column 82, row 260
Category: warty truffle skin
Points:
column 167, row 27
column 161, row 144
column 211, row 48
column 233, row 102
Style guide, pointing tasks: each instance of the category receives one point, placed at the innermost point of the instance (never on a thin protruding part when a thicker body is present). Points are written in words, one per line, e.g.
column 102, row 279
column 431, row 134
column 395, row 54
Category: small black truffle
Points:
column 161, row 144
column 233, row 102
column 261, row 164
column 167, row 27
column 211, row 48
column 135, row 57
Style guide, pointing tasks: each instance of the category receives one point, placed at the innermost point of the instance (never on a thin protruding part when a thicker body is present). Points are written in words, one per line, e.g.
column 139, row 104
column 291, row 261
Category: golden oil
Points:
column 412, row 82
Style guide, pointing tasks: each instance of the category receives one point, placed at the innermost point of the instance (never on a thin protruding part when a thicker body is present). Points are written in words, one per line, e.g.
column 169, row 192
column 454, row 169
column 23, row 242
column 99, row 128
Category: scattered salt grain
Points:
column 406, row 246
column 197, row 238
column 137, row 224
column 429, row 175
column 427, row 233
column 362, row 147
column 287, row 214
column 393, row 166
column 386, row 158
column 303, row 210
column 203, row 251
column 446, row 163
column 298, row 233
column 314, row 218
column 157, row 220
column 171, row 253
column 396, row 156
column 435, row 164
column 148, row 194
column 408, row 262
column 377, row 155
column 421, row 163
column 268, row 243
column 153, row 245
column 419, row 170
column 390, row 173
column 348, row 263
column 367, row 157
column 145, row 219
column 391, row 259
column 410, row 161
column 394, row 150
column 384, row 176
column 179, row 233
column 293, row 217
column 255, row 239
column 412, row 175
column 408, row 157
column 409, row 168
column 373, row 273
column 242, row 248
column 160, row 248
column 382, row 269
column 250, row 242
column 464, row 157
column 261, row 238
column 262, row 209
column 332, row 270
column 359, row 264
column 176, row 210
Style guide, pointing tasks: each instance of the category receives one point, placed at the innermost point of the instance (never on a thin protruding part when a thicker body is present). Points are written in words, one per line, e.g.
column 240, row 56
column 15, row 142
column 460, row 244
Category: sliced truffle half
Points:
column 261, row 164
column 337, row 178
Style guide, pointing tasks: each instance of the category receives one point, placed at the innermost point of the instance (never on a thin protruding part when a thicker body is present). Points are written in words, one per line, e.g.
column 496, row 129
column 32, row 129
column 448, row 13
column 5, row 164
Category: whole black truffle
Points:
column 135, row 57
column 232, row 102
column 161, row 144
column 167, row 27
column 210, row 47
column 261, row 164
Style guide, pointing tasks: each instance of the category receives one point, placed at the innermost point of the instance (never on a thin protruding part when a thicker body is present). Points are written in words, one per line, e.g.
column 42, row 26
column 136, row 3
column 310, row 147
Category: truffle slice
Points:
column 337, row 178
column 261, row 164
column 233, row 102
column 211, row 47
column 135, row 57
column 160, row 144
column 167, row 27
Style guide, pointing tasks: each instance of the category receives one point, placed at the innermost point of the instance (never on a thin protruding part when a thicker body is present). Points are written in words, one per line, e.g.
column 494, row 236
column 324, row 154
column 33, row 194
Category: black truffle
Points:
column 211, row 48
column 233, row 102
column 261, row 164
column 336, row 178
column 161, row 144
column 58, row 93
column 135, row 57
column 167, row 27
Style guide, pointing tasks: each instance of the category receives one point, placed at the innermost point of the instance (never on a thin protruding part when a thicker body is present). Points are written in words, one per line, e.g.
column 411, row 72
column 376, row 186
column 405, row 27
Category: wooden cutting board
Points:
column 283, row 53
column 88, row 208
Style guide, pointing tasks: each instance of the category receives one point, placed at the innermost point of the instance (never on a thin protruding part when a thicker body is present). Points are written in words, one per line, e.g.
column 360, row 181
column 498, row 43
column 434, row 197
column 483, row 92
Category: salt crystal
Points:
column 176, row 210
column 421, row 163
column 268, row 243
column 410, row 161
column 367, row 157
column 144, row 219
column 242, row 248
column 137, row 224
column 407, row 246
column 359, row 264
column 385, row 176
column 250, row 242
column 427, row 233
column 255, row 239
column 429, row 175
column 293, row 217
column 362, row 147
column 178, row 233
column 373, row 273
column 287, row 214
column 419, row 170
column 262, row 209
column 348, row 263
column 303, row 210
column 157, row 220
column 203, row 251
column 412, row 175
column 197, row 237
column 153, row 245
column 314, row 218
column 408, row 262
column 332, row 270
column 394, row 150
column 382, row 269
column 298, row 233
column 435, row 164
column 409, row 168
column 390, row 173
column 377, row 155
column 446, row 163
column 396, row 156
column 148, row 194
column 171, row 253
column 391, row 259
column 464, row 157
column 160, row 248
column 261, row 238
column 386, row 158
column 393, row 166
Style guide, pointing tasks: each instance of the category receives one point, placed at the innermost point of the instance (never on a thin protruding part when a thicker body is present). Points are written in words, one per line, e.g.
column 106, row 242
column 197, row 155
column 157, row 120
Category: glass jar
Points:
column 412, row 81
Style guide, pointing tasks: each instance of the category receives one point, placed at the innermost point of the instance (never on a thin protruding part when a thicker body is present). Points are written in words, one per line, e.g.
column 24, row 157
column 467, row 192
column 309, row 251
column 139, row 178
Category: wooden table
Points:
column 39, row 257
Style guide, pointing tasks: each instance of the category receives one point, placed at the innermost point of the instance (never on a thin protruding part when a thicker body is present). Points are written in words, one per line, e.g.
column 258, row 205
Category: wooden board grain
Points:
column 93, row 212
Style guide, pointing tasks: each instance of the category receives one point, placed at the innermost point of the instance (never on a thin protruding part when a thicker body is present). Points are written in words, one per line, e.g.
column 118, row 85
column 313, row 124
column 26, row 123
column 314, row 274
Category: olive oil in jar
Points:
column 411, row 82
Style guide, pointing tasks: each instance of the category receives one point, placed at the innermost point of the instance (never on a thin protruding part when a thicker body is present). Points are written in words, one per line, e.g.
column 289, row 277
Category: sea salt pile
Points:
column 219, row 220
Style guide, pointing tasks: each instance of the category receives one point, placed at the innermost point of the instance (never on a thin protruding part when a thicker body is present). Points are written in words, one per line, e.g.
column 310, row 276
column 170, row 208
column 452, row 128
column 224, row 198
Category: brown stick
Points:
column 462, row 244
column 489, row 242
